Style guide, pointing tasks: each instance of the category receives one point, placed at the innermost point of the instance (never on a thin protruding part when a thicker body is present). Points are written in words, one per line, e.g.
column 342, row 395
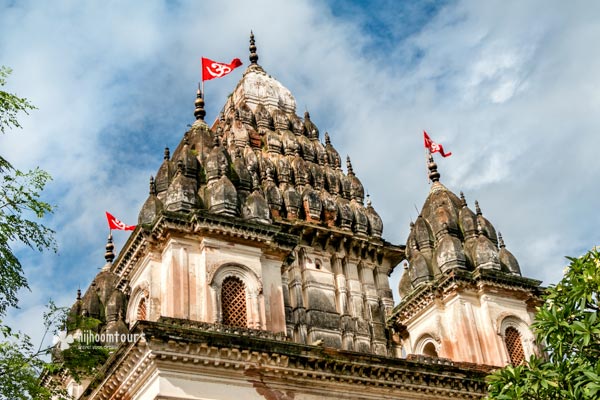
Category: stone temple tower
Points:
column 463, row 296
column 258, row 270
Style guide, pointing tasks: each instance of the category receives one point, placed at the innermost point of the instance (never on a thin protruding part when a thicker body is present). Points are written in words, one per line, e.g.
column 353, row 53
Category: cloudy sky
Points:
column 512, row 88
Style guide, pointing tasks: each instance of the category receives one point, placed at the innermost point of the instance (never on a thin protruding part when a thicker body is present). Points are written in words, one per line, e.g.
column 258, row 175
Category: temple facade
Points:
column 258, row 270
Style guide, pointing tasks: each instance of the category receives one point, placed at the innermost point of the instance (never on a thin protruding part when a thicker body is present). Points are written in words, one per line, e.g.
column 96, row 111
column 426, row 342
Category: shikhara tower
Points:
column 258, row 270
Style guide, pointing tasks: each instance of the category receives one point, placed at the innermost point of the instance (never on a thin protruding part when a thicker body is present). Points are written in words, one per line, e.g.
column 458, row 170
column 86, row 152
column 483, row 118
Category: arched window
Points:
column 233, row 302
column 429, row 350
column 141, row 310
column 514, row 345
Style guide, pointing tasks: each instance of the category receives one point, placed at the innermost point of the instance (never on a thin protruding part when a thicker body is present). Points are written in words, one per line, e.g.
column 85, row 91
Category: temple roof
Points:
column 448, row 235
column 261, row 162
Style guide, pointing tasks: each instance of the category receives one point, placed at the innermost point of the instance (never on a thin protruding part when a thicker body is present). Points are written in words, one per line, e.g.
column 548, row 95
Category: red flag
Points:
column 114, row 223
column 212, row 69
column 433, row 146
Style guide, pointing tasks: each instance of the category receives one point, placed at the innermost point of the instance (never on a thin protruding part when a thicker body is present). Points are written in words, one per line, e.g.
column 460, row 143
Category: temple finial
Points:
column 463, row 201
column 501, row 240
column 349, row 166
column 167, row 154
column 199, row 112
column 434, row 175
column 327, row 139
column 109, row 256
column 477, row 209
column 253, row 55
column 152, row 186
column 78, row 294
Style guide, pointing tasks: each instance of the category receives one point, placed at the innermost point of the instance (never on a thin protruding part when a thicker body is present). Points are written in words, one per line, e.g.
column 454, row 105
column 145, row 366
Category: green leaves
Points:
column 568, row 326
column 10, row 105
column 20, row 212
column 20, row 206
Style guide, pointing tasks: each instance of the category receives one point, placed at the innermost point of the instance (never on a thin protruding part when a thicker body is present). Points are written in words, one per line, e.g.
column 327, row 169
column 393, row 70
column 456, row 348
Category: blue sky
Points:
column 510, row 87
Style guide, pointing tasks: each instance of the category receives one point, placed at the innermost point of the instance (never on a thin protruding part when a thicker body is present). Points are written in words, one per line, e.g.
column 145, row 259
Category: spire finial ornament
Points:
column 253, row 55
column 479, row 228
column 109, row 256
column 434, row 175
column 167, row 154
column 368, row 200
column 463, row 201
column 199, row 112
column 78, row 294
column 327, row 139
column 501, row 240
column 349, row 166
column 477, row 209
column 152, row 186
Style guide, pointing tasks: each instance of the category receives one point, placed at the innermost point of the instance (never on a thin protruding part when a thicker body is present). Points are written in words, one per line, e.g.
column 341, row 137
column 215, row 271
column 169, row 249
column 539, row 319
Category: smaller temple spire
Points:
column 109, row 256
column 477, row 209
column 199, row 112
column 501, row 240
column 434, row 175
column 253, row 55
column 167, row 154
column 152, row 186
column 349, row 166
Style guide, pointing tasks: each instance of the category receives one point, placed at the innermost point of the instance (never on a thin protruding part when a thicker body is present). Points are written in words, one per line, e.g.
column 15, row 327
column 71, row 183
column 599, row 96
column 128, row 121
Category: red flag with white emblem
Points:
column 433, row 146
column 114, row 223
column 212, row 69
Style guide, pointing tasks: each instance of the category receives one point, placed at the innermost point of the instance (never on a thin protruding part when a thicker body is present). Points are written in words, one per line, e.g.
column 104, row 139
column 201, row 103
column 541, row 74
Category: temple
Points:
column 258, row 270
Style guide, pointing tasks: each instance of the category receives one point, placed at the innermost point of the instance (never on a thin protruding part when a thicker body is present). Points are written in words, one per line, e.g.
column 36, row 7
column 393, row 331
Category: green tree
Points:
column 20, row 206
column 568, row 327
column 21, row 211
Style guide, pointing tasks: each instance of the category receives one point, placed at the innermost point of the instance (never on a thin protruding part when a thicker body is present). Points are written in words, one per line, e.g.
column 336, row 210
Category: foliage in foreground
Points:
column 568, row 326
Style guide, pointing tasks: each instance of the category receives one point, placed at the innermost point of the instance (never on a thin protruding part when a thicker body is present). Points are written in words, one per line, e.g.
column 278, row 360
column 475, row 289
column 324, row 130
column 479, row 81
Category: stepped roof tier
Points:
column 261, row 162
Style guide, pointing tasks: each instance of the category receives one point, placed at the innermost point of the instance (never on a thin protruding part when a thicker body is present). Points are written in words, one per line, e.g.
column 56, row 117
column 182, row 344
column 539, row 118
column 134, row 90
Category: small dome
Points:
column 311, row 204
column 310, row 129
column 301, row 171
column 165, row 174
column 115, row 305
column 419, row 271
column 241, row 176
column 281, row 120
column 264, row 120
column 345, row 213
column 448, row 252
column 292, row 202
column 284, row 170
column 221, row 197
column 273, row 195
column 375, row 222
column 467, row 219
column 90, row 304
column 181, row 195
column 486, row 226
column 333, row 156
column 486, row 254
column 329, row 208
column 152, row 208
column 508, row 262
column 256, row 208
column 361, row 222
